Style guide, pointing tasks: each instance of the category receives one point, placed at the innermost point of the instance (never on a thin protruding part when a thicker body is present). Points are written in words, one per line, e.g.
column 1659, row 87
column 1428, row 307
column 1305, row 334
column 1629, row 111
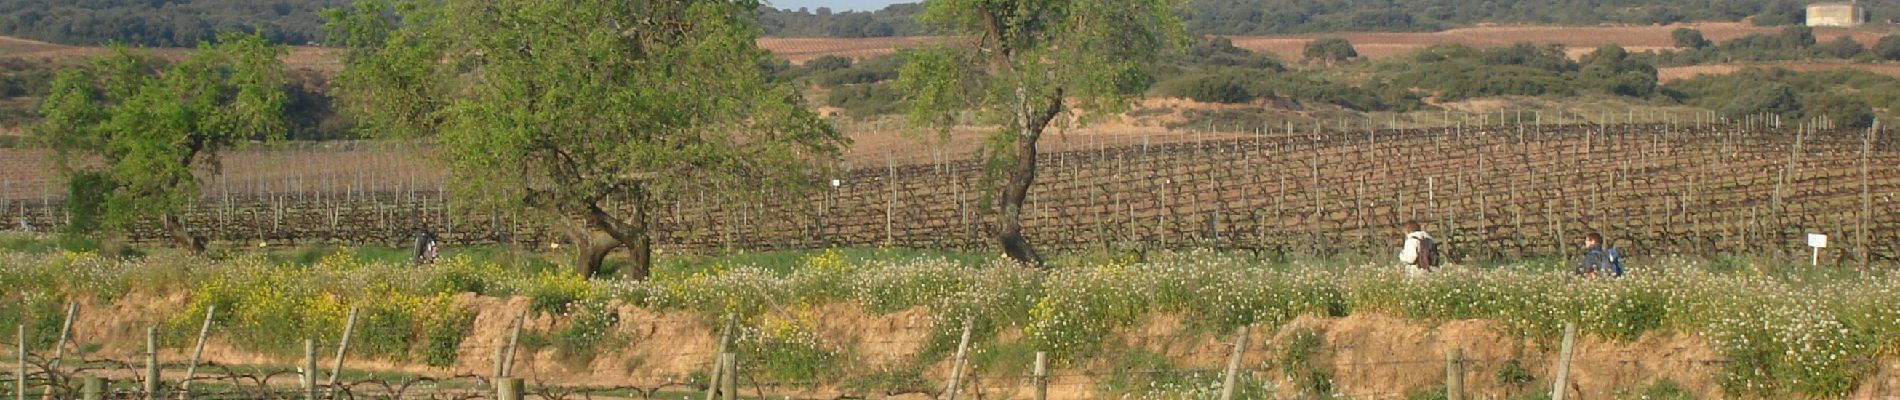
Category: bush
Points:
column 1844, row 47
column 554, row 292
column 1219, row 88
column 1844, row 110
column 1689, row 38
column 590, row 328
column 828, row 63
column 1764, row 99
column 445, row 332
column 1330, row 50
column 1220, row 52
column 864, row 101
column 787, row 349
column 1513, row 374
column 1888, row 48
column 1457, row 72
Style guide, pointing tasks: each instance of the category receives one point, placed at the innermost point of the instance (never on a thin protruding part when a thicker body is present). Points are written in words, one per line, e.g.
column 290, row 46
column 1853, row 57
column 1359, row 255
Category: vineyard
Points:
column 1486, row 191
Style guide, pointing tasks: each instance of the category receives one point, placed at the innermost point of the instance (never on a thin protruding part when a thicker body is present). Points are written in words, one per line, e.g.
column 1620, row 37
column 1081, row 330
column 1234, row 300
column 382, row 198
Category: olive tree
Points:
column 1029, row 63
column 1331, row 50
column 130, row 131
column 581, row 112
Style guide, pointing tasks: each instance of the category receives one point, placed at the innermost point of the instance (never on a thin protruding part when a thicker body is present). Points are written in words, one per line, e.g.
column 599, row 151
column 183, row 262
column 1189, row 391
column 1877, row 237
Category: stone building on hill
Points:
column 1843, row 15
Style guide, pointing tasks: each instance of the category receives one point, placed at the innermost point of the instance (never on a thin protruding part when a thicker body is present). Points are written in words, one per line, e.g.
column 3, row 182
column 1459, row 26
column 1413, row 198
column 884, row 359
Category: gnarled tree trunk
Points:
column 593, row 246
column 605, row 232
column 181, row 237
column 1009, row 231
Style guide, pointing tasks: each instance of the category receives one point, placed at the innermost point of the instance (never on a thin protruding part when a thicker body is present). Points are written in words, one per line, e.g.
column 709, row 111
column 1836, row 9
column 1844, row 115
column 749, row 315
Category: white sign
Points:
column 835, row 183
column 1817, row 240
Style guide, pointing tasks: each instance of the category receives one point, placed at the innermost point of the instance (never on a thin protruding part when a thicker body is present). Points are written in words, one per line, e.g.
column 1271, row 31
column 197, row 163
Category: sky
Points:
column 836, row 5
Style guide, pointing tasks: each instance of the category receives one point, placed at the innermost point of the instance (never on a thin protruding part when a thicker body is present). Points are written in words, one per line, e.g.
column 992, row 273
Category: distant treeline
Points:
column 894, row 20
column 162, row 22
column 185, row 23
column 1255, row 17
column 1248, row 17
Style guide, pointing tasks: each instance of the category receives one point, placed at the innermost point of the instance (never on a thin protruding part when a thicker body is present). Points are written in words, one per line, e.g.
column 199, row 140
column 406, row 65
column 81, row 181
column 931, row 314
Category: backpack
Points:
column 1614, row 261
column 1427, row 253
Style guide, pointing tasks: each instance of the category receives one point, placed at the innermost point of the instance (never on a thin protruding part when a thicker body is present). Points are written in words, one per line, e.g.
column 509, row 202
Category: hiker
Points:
column 426, row 249
column 1598, row 260
column 1419, row 254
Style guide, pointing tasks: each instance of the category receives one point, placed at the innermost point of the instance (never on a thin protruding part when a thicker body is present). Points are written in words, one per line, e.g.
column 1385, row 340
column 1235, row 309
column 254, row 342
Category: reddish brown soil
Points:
column 1368, row 356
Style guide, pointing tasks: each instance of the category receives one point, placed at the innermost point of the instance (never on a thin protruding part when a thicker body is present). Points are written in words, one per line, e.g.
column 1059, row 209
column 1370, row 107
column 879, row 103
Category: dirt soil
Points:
column 1369, row 356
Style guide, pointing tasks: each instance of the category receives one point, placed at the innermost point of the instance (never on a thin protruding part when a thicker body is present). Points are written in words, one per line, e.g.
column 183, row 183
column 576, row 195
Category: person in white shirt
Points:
column 1420, row 254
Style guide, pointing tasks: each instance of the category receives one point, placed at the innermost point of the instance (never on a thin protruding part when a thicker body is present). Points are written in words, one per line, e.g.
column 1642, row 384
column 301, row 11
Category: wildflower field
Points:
column 1779, row 333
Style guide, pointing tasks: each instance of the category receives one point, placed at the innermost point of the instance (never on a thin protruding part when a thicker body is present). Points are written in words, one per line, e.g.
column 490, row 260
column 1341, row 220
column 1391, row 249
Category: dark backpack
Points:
column 1614, row 260
column 1427, row 253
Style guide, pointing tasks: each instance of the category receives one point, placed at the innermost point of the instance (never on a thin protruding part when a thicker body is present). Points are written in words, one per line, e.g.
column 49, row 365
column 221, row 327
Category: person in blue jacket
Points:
column 1598, row 260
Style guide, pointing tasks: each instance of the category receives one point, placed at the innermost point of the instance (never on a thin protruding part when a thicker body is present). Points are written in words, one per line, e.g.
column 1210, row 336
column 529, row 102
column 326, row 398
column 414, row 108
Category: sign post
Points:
column 1816, row 241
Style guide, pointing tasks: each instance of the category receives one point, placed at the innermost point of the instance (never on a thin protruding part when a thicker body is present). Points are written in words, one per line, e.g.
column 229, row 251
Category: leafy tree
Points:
column 1799, row 36
column 828, row 63
column 1842, row 47
column 1846, row 111
column 149, row 127
column 1032, row 62
column 1218, row 88
column 1888, row 48
column 1689, row 38
column 1765, row 99
column 162, row 23
column 1612, row 69
column 1332, row 50
column 1781, row 12
column 581, row 112
column 1220, row 51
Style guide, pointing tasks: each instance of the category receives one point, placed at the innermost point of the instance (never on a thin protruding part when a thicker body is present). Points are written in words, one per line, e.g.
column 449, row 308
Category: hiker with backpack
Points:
column 426, row 248
column 1419, row 253
column 1599, row 260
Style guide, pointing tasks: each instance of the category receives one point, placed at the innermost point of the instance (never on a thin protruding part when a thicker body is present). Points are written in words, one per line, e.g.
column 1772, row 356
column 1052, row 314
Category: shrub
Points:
column 1846, row 111
column 590, row 327
column 1689, row 38
column 1220, row 52
column 866, row 100
column 1330, row 50
column 1513, row 374
column 828, row 63
column 1215, row 88
column 445, row 332
column 1841, row 47
column 553, row 292
column 787, row 349
column 1308, row 377
column 1888, row 48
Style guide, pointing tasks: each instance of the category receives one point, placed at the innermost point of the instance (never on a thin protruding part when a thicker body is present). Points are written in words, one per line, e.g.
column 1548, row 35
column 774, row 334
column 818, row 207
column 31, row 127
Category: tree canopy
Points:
column 1330, row 50
column 162, row 23
column 1032, row 61
column 581, row 112
column 129, row 131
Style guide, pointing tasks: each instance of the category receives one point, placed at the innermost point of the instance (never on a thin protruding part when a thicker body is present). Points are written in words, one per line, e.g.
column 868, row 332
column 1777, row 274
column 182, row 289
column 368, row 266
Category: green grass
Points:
column 40, row 244
column 784, row 262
